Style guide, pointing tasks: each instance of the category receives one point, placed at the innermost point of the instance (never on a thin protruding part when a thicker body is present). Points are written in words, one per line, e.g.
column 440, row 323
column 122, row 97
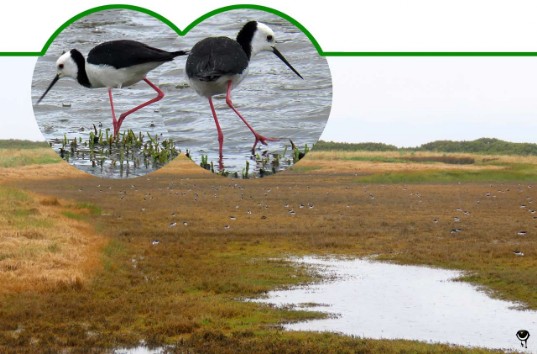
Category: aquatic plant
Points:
column 127, row 154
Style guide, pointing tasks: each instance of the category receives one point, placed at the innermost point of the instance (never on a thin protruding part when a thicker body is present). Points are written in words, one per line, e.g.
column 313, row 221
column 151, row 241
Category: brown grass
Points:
column 42, row 249
column 366, row 162
column 62, row 169
column 186, row 290
column 395, row 221
column 42, row 172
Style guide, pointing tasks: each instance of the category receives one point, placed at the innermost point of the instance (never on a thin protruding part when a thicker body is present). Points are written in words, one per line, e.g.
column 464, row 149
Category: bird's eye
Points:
column 269, row 38
column 60, row 66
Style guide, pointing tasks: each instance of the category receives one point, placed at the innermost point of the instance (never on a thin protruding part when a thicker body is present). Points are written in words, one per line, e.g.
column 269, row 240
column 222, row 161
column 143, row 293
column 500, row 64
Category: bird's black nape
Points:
column 82, row 76
column 245, row 36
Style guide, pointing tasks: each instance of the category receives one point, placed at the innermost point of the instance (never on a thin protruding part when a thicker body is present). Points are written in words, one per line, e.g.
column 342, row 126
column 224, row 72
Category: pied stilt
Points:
column 113, row 64
column 216, row 65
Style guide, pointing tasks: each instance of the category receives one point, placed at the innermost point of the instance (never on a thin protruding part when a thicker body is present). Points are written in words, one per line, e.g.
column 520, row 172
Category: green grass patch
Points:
column 73, row 215
column 22, row 144
column 111, row 252
column 24, row 157
column 385, row 159
column 90, row 207
column 405, row 157
column 512, row 282
column 17, row 208
column 447, row 159
column 24, row 213
column 24, row 219
column 10, row 195
column 512, row 173
column 303, row 169
column 82, row 210
column 276, row 341
column 53, row 248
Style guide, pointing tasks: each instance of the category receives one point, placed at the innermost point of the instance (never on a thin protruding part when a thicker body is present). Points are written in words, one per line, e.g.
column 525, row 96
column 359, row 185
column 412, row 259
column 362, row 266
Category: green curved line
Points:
column 102, row 8
column 266, row 9
column 167, row 22
column 255, row 7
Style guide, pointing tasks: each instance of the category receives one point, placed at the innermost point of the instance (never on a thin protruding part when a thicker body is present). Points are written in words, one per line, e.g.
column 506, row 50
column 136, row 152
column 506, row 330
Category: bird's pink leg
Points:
column 220, row 134
column 258, row 137
column 114, row 120
column 160, row 95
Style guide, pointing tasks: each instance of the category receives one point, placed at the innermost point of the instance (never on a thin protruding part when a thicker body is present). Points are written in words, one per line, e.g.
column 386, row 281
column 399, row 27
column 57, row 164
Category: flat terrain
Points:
column 166, row 258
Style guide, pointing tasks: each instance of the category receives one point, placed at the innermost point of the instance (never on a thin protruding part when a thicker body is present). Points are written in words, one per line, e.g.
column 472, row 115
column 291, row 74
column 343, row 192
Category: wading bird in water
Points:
column 113, row 64
column 216, row 65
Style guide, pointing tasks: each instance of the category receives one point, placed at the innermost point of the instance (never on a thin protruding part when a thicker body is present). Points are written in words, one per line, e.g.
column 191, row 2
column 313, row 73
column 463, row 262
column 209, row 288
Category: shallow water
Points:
column 71, row 110
column 141, row 349
column 275, row 101
column 388, row 301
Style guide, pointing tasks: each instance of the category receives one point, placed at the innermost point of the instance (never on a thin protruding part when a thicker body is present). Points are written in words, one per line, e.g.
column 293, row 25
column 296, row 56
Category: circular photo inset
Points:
column 97, row 92
column 255, row 98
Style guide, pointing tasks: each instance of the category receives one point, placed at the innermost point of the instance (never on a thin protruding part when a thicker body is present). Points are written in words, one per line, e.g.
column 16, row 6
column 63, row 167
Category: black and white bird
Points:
column 113, row 64
column 216, row 65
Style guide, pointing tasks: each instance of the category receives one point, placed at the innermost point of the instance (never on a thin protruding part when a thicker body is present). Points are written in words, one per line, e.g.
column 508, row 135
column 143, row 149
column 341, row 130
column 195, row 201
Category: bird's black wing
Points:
column 125, row 53
column 214, row 57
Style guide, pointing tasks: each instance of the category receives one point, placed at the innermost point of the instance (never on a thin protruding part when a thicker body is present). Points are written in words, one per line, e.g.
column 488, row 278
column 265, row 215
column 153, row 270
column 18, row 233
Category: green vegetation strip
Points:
column 17, row 210
column 480, row 146
column 22, row 144
column 514, row 173
column 18, row 153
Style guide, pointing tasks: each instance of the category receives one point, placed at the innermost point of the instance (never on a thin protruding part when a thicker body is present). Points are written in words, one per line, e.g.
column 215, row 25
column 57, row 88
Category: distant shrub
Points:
column 480, row 146
column 455, row 160
column 483, row 146
column 331, row 145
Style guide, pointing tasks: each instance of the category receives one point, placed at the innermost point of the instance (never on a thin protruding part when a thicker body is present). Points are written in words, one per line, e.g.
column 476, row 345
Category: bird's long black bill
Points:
column 56, row 78
column 282, row 58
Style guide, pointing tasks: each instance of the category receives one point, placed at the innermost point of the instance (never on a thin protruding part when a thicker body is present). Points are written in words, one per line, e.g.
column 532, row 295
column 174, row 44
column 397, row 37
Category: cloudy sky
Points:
column 405, row 101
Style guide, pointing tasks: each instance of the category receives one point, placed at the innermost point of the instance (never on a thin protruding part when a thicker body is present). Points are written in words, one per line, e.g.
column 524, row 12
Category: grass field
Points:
column 84, row 272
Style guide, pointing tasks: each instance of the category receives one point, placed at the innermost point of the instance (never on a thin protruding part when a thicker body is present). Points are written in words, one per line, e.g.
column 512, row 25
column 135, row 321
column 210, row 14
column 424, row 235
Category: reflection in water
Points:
column 388, row 301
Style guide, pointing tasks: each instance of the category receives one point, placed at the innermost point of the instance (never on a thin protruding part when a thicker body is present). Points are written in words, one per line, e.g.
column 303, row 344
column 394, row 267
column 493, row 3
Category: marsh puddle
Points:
column 141, row 349
column 387, row 301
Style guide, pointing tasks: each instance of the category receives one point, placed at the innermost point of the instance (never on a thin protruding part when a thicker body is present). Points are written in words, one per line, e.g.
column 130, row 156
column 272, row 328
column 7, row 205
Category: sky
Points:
column 404, row 101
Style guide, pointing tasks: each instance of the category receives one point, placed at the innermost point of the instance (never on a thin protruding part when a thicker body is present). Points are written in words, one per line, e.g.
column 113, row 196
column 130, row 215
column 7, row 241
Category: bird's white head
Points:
column 263, row 39
column 66, row 65
column 69, row 64
column 256, row 37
